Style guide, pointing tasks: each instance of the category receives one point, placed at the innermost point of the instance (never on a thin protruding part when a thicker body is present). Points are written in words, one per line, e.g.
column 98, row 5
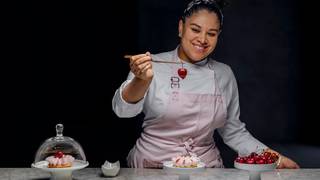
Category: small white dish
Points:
column 61, row 173
column 110, row 169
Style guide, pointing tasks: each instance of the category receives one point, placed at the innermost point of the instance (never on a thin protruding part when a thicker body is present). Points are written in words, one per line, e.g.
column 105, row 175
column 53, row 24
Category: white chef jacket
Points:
column 233, row 133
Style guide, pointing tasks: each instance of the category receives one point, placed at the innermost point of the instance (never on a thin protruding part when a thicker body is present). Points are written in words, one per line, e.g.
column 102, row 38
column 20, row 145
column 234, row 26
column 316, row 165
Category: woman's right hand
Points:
column 141, row 66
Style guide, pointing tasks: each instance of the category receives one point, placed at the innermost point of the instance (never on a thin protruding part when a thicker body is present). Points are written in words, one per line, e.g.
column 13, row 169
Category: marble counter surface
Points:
column 159, row 174
column 125, row 174
column 292, row 174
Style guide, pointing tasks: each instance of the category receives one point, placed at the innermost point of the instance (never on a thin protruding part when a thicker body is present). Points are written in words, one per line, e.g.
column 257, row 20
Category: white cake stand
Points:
column 61, row 173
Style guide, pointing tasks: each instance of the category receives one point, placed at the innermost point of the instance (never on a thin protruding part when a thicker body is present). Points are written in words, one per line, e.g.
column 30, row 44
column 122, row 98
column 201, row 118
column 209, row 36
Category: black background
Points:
column 62, row 63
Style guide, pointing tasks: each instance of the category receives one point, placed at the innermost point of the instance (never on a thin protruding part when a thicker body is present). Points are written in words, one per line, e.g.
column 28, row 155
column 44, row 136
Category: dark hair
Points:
column 215, row 6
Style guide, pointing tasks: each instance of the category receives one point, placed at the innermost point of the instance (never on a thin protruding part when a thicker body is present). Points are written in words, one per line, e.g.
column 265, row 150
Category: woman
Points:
column 185, row 101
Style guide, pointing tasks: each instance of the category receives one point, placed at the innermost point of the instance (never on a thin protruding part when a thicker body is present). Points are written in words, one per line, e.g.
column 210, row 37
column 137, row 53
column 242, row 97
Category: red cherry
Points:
column 270, row 161
column 253, row 154
column 260, row 161
column 58, row 154
column 240, row 160
column 267, row 154
column 250, row 161
column 182, row 72
column 274, row 156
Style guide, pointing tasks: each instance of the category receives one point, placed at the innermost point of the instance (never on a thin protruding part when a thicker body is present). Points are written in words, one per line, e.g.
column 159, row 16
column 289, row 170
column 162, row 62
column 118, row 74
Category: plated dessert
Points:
column 186, row 161
column 60, row 160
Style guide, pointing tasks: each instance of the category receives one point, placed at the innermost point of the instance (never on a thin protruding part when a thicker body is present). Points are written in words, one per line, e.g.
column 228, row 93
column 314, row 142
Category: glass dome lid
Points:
column 60, row 145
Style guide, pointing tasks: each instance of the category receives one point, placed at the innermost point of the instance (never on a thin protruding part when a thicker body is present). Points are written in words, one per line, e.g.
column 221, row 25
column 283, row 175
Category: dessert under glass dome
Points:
column 63, row 145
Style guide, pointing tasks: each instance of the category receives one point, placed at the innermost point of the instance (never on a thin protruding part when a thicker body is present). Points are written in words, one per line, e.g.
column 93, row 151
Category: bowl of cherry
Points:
column 256, row 163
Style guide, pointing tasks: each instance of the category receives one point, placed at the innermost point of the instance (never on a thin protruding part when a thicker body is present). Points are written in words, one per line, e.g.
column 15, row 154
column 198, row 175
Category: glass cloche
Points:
column 60, row 155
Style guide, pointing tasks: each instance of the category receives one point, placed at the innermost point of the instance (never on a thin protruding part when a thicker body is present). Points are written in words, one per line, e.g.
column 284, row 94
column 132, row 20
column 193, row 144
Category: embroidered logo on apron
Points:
column 175, row 82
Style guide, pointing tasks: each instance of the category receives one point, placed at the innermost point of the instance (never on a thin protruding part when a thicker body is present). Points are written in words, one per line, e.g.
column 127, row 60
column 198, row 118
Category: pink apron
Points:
column 187, row 125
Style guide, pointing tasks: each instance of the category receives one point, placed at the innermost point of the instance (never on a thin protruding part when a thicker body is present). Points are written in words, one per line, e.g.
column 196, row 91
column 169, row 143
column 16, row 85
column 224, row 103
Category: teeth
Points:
column 199, row 47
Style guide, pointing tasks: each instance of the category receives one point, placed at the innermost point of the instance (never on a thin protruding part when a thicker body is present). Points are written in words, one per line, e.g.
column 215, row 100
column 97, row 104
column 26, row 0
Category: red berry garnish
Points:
column 260, row 161
column 274, row 156
column 240, row 160
column 253, row 155
column 262, row 158
column 58, row 154
column 182, row 72
column 250, row 161
column 270, row 161
column 267, row 154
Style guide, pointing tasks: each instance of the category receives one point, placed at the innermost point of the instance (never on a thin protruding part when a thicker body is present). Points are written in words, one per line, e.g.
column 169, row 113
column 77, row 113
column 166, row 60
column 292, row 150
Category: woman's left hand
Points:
column 286, row 163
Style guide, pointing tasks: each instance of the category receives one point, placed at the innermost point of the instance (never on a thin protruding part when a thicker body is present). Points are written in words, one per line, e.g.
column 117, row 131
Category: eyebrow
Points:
column 200, row 27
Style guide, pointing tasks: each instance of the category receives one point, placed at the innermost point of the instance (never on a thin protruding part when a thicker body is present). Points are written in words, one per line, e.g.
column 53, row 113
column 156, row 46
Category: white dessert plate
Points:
column 77, row 164
column 168, row 165
column 61, row 173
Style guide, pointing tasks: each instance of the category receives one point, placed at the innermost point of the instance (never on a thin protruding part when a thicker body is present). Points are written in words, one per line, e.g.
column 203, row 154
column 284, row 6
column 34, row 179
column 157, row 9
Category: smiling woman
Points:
column 183, row 112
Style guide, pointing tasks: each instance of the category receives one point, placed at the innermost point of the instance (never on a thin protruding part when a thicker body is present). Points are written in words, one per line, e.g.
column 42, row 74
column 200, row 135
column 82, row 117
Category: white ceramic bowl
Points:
column 110, row 169
column 255, row 169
